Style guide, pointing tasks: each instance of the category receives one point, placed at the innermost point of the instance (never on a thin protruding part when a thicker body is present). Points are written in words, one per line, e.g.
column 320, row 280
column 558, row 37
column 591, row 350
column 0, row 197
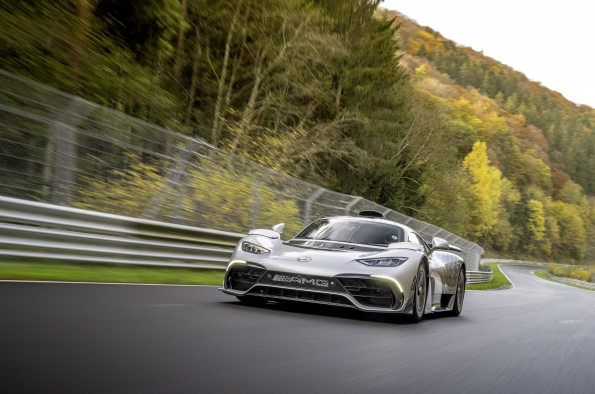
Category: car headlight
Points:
column 251, row 248
column 384, row 262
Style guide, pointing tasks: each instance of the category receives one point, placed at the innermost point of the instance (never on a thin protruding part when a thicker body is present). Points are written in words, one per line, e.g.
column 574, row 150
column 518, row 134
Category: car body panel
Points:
column 297, row 265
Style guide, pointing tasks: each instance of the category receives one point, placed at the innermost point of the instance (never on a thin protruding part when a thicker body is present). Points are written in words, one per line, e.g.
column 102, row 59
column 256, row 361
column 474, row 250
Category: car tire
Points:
column 420, row 294
column 459, row 295
column 251, row 300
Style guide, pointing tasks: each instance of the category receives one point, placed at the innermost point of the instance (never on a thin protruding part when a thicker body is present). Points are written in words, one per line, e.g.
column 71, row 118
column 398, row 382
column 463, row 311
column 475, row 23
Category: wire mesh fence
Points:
column 64, row 150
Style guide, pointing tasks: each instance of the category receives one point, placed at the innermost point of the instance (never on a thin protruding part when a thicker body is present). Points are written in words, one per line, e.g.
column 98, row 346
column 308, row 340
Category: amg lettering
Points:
column 299, row 280
column 321, row 282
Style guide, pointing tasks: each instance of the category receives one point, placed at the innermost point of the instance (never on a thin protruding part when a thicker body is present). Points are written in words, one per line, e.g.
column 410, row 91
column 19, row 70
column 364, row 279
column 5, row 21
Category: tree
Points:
column 535, row 222
column 486, row 188
column 573, row 237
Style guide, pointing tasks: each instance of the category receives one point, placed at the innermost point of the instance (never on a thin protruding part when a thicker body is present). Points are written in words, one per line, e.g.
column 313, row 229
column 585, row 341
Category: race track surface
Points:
column 84, row 338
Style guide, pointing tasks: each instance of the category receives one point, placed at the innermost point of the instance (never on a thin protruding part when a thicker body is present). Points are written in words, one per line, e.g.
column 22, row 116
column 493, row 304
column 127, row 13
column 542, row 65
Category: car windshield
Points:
column 353, row 231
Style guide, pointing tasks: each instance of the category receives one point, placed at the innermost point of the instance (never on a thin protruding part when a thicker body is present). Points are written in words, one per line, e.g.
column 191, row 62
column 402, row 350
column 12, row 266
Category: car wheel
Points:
column 251, row 300
column 419, row 297
column 459, row 295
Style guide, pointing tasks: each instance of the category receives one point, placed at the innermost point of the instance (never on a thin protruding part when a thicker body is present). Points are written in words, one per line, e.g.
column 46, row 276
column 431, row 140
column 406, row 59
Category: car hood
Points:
column 311, row 257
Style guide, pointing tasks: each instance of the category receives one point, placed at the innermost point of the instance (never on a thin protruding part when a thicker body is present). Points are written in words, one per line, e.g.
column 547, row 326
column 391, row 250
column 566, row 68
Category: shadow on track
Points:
column 336, row 312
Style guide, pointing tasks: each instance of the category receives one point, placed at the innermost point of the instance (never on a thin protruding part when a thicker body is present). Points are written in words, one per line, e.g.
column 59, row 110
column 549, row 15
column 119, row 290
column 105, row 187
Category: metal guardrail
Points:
column 571, row 281
column 33, row 230
column 43, row 231
column 474, row 277
column 61, row 149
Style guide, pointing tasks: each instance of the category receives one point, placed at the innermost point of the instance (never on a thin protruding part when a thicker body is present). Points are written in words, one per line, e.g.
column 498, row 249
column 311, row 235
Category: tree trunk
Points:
column 248, row 113
column 223, row 77
column 259, row 75
column 194, row 80
column 180, row 45
column 84, row 10
column 338, row 94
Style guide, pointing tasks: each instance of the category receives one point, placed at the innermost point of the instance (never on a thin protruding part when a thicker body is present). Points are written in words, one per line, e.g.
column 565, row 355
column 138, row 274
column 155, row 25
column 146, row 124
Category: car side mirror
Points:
column 278, row 228
column 439, row 243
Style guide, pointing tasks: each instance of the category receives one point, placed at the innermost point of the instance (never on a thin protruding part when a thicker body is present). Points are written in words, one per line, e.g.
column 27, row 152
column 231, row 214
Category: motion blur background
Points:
column 341, row 95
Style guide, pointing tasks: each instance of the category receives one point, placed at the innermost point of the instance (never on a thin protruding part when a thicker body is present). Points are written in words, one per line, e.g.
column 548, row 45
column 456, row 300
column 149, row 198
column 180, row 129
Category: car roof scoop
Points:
column 372, row 214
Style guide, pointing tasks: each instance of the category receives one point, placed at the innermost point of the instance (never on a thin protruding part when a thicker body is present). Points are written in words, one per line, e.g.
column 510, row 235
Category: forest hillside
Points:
column 336, row 92
column 529, row 151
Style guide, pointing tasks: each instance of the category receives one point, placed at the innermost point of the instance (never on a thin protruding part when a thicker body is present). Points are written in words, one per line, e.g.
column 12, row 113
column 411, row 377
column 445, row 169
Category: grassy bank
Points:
column 107, row 273
column 542, row 274
column 498, row 280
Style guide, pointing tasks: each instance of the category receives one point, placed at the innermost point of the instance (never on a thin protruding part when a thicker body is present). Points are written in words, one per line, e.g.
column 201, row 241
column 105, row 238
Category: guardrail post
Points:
column 351, row 204
column 309, row 201
column 173, row 179
column 64, row 158
column 255, row 211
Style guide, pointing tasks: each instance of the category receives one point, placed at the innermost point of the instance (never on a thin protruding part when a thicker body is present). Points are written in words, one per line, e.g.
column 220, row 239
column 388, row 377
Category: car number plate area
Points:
column 301, row 281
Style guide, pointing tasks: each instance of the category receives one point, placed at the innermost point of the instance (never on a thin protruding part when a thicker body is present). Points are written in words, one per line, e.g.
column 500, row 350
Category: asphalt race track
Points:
column 84, row 338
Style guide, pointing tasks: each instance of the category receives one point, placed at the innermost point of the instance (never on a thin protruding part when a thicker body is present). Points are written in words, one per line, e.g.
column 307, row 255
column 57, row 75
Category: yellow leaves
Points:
column 498, row 123
column 413, row 46
column 464, row 106
column 486, row 188
column 420, row 73
column 520, row 118
column 228, row 197
column 536, row 220
column 510, row 194
column 537, row 171
column 126, row 191
column 211, row 194
column 431, row 42
column 573, row 236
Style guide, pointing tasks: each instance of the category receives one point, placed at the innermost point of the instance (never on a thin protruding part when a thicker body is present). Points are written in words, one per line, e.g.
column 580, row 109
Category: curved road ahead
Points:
column 83, row 338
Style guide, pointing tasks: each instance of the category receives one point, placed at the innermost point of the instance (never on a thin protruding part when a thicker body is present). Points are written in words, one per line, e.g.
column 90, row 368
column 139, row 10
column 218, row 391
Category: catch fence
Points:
column 61, row 149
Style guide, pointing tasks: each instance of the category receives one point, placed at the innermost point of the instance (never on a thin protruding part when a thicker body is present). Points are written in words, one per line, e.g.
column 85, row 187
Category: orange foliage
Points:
column 559, row 179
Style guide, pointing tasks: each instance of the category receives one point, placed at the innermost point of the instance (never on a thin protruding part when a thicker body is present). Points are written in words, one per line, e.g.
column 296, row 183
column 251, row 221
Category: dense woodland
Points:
column 337, row 92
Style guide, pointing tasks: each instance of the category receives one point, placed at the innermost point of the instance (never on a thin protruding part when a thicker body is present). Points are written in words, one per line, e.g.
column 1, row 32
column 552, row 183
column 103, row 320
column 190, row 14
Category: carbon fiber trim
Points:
column 300, row 295
column 369, row 292
column 242, row 278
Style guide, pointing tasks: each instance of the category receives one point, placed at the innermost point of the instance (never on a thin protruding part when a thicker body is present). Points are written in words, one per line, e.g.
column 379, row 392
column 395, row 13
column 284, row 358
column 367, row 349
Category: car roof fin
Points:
column 372, row 214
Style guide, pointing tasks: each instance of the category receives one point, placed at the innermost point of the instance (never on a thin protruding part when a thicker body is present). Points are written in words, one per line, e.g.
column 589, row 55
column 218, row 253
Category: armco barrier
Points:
column 61, row 149
column 570, row 281
column 43, row 231
column 478, row 277
column 33, row 230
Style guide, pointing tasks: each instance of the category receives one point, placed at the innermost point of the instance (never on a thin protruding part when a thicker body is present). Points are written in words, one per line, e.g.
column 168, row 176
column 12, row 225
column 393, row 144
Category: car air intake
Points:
column 300, row 295
column 369, row 292
column 243, row 277
column 372, row 214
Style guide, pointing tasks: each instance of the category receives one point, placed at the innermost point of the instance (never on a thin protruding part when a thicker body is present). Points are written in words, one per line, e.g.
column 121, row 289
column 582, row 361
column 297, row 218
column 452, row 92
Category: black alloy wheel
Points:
column 420, row 294
column 459, row 295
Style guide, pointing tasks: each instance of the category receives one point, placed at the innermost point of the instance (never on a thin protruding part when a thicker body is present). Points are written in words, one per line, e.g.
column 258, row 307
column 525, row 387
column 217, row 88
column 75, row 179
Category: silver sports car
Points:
column 364, row 262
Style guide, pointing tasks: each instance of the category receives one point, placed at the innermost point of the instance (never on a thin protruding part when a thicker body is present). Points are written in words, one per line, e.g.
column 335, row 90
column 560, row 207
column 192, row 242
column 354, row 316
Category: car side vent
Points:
column 372, row 214
column 369, row 292
column 244, row 277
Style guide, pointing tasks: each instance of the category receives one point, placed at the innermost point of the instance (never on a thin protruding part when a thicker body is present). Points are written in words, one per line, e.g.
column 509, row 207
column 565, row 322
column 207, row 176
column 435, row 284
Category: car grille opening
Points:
column 302, row 281
column 243, row 277
column 369, row 292
column 300, row 295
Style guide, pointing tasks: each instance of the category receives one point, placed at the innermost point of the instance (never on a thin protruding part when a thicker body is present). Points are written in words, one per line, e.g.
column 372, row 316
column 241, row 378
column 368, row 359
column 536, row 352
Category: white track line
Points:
column 500, row 268
column 99, row 283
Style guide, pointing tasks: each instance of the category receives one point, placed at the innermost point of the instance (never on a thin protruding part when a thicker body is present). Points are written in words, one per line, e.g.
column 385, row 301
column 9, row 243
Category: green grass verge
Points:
column 542, row 274
column 498, row 280
column 108, row 273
